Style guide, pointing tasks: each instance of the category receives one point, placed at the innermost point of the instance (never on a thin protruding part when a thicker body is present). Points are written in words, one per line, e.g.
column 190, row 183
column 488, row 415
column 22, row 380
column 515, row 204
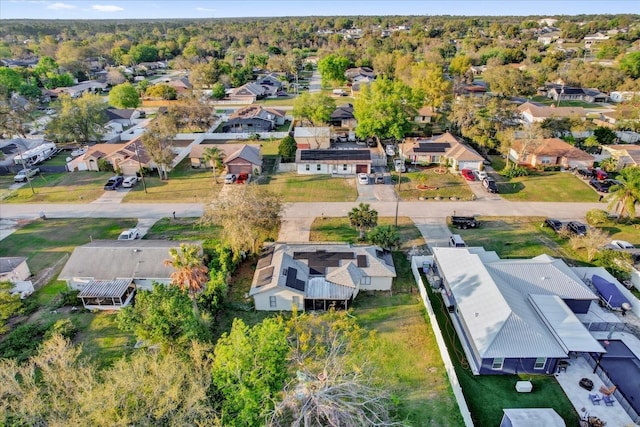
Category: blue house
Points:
column 514, row 315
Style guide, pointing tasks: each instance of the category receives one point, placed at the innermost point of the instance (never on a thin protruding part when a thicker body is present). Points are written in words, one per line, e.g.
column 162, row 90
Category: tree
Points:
column 597, row 217
column 385, row 236
column 249, row 370
column 605, row 135
column 10, row 81
column 249, row 216
column 218, row 91
column 193, row 113
column 287, row 148
column 363, row 218
column 124, row 96
column 630, row 64
column 78, row 119
column 592, row 242
column 10, row 305
column 162, row 316
column 507, row 81
column 483, row 119
column 213, row 156
column 15, row 117
column 332, row 68
column 115, row 77
column 157, row 141
column 316, row 107
column 626, row 195
column 460, row 65
column 429, row 78
column 191, row 273
column 162, row 91
column 386, row 109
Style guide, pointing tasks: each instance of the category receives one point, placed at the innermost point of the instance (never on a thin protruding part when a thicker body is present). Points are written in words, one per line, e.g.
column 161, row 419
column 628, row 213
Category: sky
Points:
column 163, row 9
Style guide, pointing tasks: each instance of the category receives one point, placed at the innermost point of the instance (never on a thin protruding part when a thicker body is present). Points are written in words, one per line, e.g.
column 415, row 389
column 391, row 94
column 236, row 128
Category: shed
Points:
column 531, row 417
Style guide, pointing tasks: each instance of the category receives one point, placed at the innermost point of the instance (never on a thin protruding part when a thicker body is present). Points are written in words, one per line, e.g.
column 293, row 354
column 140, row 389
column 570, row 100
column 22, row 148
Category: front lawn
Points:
column 549, row 101
column 312, row 188
column 547, row 187
column 63, row 187
column 442, row 185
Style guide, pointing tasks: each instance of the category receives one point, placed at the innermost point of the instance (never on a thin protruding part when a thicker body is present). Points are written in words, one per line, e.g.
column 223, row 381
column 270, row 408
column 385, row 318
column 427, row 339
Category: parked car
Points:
column 464, row 222
column 363, row 178
column 621, row 244
column 584, row 173
column 399, row 165
column 480, row 175
column 130, row 181
column 242, row 178
column 554, row 224
column 379, row 178
column 230, row 178
column 490, row 185
column 468, row 174
column 577, row 228
column 130, row 234
column 456, row 241
column 113, row 183
column 78, row 152
column 599, row 174
column 24, row 174
column 599, row 186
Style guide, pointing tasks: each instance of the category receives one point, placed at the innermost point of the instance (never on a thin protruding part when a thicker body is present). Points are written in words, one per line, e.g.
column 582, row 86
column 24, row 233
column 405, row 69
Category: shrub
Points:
column 515, row 171
column 64, row 327
column 597, row 217
column 68, row 298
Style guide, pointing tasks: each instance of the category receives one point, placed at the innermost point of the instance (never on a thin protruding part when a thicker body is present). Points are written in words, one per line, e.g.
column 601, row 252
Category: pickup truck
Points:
column 464, row 222
column 130, row 234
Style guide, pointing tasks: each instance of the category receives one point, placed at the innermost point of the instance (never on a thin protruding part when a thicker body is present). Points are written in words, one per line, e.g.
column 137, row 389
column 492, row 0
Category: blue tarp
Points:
column 609, row 292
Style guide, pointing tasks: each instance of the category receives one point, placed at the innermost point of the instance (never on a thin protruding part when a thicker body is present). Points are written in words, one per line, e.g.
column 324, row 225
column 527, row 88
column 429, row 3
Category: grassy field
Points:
column 182, row 229
column 45, row 242
column 312, row 188
column 185, row 184
column 548, row 101
column 447, row 185
column 63, row 187
column 547, row 187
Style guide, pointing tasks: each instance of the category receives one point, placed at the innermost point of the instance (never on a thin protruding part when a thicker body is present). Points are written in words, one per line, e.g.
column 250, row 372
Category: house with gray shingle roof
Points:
column 514, row 316
column 318, row 276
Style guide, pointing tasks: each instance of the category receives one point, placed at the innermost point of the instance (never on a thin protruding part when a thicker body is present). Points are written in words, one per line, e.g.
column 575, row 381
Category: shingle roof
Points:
column 8, row 264
column 554, row 147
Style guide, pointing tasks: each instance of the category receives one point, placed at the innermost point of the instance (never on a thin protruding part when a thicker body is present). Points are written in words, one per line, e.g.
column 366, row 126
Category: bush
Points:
column 22, row 342
column 515, row 171
column 68, row 298
column 64, row 327
column 597, row 217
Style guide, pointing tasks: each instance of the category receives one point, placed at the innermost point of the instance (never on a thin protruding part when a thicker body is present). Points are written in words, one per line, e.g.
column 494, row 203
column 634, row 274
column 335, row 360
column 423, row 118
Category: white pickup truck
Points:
column 130, row 234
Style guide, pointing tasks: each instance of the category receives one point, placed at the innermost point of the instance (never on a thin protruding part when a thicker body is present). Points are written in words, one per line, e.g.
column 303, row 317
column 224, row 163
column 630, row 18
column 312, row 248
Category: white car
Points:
column 78, row 152
column 363, row 178
column 480, row 174
column 24, row 174
column 622, row 244
column 130, row 234
column 130, row 181
column 399, row 165
column 230, row 178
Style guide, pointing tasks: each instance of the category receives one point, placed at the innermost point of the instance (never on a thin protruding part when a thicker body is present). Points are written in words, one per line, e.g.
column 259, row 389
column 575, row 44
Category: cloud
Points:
column 106, row 8
column 204, row 9
column 60, row 6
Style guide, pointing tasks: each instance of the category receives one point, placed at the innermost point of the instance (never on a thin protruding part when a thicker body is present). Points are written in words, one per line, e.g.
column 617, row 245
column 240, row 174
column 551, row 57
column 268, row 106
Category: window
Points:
column 540, row 362
column 307, row 167
column 365, row 280
column 272, row 302
column 295, row 301
column 344, row 168
column 318, row 167
column 497, row 363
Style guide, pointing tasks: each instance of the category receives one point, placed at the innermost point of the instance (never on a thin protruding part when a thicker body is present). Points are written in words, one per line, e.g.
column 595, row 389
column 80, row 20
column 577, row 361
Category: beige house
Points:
column 425, row 115
column 440, row 148
column 532, row 113
column 318, row 276
column 549, row 152
column 16, row 270
column 625, row 154
column 237, row 158
column 127, row 157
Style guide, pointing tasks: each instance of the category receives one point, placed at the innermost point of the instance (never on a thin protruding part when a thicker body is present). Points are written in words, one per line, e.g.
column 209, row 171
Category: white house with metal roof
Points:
column 318, row 276
column 514, row 315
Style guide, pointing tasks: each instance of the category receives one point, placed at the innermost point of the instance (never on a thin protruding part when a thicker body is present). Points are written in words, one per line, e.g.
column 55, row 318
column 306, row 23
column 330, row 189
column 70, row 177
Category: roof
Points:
column 426, row 111
column 319, row 271
column 493, row 296
column 256, row 112
column 445, row 144
column 533, row 417
column 338, row 156
column 311, row 132
column 251, row 151
column 117, row 113
column 554, row 147
column 343, row 112
column 116, row 259
column 105, row 288
column 538, row 111
column 8, row 264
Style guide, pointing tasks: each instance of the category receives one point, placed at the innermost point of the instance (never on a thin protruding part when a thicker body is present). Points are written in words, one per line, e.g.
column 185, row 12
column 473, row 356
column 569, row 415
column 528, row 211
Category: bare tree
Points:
column 592, row 242
column 157, row 141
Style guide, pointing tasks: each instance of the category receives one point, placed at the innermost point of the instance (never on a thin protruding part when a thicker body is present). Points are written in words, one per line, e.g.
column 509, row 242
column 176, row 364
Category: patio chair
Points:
column 608, row 391
column 595, row 399
column 608, row 400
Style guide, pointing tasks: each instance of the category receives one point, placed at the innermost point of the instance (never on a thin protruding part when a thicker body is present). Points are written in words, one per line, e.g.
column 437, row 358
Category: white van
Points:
column 456, row 241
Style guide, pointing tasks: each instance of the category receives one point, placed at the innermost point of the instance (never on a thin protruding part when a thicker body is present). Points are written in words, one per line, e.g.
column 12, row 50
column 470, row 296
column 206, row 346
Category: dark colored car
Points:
column 599, row 185
column 554, row 224
column 584, row 173
column 577, row 228
column 490, row 185
column 113, row 183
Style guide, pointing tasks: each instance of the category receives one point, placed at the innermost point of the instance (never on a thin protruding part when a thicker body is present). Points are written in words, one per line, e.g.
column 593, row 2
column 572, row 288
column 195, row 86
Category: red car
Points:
column 468, row 174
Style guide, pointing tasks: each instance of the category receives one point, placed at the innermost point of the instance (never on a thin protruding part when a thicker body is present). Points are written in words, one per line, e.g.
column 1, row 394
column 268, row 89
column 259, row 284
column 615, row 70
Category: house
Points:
column 254, row 118
column 124, row 117
column 78, row 90
column 128, row 158
column 312, row 137
column 360, row 74
column 550, row 152
column 343, row 117
column 318, row 276
column 182, row 85
column 514, row 316
column 270, row 80
column 532, row 113
column 591, row 40
column 425, row 115
column 622, row 96
column 439, row 148
column 16, row 270
column 568, row 93
column 250, row 92
column 238, row 158
column 108, row 272
column 335, row 162
column 625, row 154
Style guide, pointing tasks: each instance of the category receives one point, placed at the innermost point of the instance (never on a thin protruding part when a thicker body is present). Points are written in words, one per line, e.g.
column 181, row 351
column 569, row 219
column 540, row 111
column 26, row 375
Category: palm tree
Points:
column 214, row 156
column 190, row 275
column 363, row 218
column 626, row 195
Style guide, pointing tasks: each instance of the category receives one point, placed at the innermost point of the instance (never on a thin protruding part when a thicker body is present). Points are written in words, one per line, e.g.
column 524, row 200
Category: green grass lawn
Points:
column 63, row 187
column 548, row 101
column 547, row 187
column 182, row 229
column 312, row 188
column 45, row 242
column 185, row 184
column 448, row 185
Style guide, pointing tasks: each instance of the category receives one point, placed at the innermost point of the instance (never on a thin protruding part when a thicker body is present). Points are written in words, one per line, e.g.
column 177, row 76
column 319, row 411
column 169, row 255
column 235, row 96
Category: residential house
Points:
column 251, row 92
column 620, row 116
column 124, row 117
column 20, row 63
column 549, row 152
column 343, row 117
column 625, row 154
column 16, row 270
column 360, row 74
column 182, row 85
column 622, row 96
column 108, row 272
column 271, row 80
column 568, row 93
column 78, row 90
column 532, row 113
column 312, row 137
column 335, row 162
column 514, row 316
column 318, row 276
column 591, row 40
column 425, row 115
column 549, row 38
column 237, row 158
column 127, row 157
column 440, row 148
column 254, row 118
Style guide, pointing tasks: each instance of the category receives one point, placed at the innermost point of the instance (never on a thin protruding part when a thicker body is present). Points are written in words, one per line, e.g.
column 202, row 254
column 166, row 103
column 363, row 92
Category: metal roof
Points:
column 105, row 288
column 319, row 288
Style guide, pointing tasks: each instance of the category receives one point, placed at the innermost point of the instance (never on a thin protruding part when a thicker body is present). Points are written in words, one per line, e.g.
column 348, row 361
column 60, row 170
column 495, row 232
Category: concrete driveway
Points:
column 434, row 231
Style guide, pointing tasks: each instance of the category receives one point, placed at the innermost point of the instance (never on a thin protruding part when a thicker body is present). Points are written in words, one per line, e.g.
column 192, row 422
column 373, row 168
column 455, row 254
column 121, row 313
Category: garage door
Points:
column 362, row 168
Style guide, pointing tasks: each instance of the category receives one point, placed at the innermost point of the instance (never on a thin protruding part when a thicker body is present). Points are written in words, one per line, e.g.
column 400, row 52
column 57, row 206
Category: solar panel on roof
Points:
column 264, row 277
column 292, row 280
column 432, row 147
column 310, row 155
column 265, row 259
column 362, row 260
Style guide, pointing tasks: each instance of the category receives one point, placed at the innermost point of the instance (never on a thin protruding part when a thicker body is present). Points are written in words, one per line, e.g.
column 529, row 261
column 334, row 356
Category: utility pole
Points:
column 144, row 184
column 24, row 166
